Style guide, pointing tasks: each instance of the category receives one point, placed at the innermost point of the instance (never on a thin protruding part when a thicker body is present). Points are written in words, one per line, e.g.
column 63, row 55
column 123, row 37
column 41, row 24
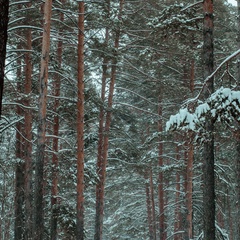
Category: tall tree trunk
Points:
column 208, row 148
column 38, row 224
column 4, row 8
column 28, row 134
column 99, row 186
column 162, row 229
column 103, row 158
column 56, row 93
column 19, row 174
column 80, row 126
column 190, row 159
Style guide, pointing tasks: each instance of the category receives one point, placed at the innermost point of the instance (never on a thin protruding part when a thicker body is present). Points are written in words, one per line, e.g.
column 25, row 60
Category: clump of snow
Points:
column 223, row 105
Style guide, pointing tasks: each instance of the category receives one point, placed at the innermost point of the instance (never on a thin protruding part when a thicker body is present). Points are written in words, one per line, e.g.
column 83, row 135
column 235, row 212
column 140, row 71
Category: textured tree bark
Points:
column 103, row 158
column 56, row 93
column 208, row 148
column 38, row 224
column 4, row 8
column 28, row 133
column 80, row 127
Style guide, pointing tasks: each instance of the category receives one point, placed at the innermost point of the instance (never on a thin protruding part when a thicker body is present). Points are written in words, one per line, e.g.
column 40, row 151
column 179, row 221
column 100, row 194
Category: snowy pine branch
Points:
column 223, row 105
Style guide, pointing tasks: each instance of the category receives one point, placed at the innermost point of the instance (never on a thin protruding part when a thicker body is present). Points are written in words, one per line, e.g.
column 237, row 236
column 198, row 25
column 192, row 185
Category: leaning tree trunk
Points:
column 80, row 126
column 4, row 7
column 38, row 224
column 208, row 148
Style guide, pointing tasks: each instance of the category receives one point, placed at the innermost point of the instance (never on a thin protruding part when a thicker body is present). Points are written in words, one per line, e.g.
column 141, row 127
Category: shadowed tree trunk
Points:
column 80, row 127
column 38, row 224
column 208, row 147
column 105, row 141
column 4, row 7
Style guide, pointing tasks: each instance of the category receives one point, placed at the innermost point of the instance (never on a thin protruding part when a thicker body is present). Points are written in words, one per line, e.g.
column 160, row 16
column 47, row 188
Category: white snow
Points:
column 224, row 105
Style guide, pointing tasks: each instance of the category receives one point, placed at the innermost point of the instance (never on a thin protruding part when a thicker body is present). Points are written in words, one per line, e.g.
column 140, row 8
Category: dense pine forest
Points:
column 119, row 119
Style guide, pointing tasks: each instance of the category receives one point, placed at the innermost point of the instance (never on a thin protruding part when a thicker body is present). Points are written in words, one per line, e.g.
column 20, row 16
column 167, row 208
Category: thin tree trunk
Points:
column 162, row 229
column 19, row 175
column 177, row 208
column 38, row 226
column 189, row 192
column 4, row 8
column 153, row 205
column 238, row 138
column 80, row 126
column 149, row 205
column 103, row 157
column 56, row 87
column 28, row 135
column 208, row 148
column 99, row 186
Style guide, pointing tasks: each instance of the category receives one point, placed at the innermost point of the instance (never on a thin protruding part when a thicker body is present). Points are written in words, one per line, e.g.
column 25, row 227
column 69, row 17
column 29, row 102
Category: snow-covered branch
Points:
column 223, row 105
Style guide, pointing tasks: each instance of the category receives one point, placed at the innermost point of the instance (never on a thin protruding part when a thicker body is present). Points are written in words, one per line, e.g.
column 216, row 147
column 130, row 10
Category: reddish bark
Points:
column 99, row 186
column 163, row 235
column 102, row 159
column 38, row 224
column 80, row 126
column 19, row 174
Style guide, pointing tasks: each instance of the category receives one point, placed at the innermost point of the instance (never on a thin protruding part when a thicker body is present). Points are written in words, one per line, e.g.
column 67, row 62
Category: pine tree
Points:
column 208, row 148
column 38, row 224
column 80, row 126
